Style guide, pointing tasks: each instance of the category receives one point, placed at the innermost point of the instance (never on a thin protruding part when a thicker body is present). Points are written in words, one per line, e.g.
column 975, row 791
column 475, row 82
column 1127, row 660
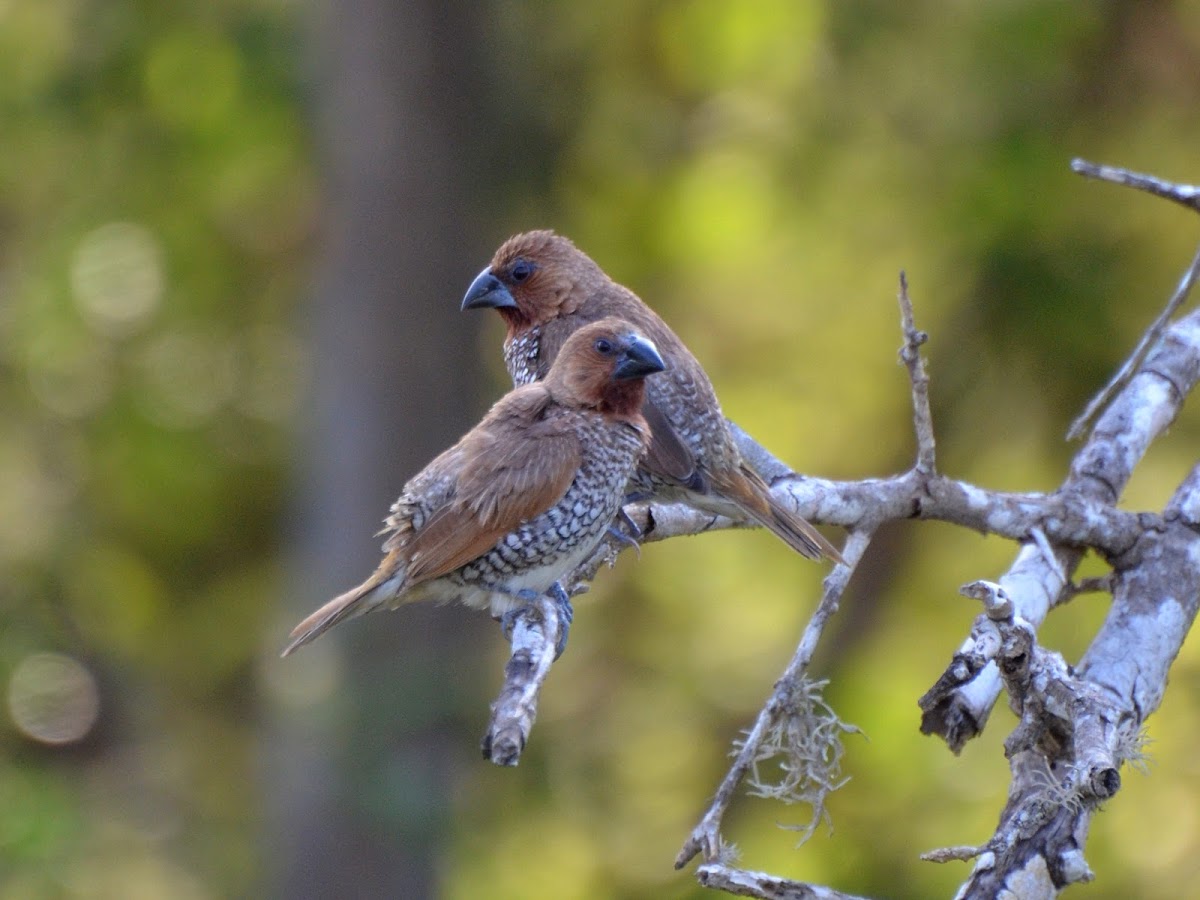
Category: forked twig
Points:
column 705, row 838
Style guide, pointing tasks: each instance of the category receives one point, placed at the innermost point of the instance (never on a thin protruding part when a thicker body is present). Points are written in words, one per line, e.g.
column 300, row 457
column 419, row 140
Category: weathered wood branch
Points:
column 746, row 883
column 535, row 636
column 1077, row 728
column 958, row 705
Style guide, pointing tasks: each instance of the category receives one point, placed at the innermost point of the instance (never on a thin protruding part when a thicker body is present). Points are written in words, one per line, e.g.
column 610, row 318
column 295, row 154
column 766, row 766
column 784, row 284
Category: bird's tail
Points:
column 754, row 497
column 383, row 586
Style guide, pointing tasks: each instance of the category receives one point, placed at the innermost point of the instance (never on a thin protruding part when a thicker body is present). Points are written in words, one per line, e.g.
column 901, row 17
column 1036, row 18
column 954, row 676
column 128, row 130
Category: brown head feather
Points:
column 587, row 371
column 561, row 278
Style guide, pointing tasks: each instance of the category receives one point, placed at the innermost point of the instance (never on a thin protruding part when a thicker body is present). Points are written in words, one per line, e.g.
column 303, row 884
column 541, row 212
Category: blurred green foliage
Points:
column 157, row 198
column 760, row 172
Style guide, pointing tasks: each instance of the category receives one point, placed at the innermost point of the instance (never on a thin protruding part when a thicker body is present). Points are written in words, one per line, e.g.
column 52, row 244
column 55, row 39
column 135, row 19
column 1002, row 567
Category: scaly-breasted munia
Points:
column 545, row 289
column 525, row 496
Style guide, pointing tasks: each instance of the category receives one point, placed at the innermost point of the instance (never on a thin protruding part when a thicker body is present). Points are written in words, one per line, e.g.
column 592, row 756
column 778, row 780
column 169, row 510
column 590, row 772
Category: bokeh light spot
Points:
column 720, row 211
column 53, row 698
column 710, row 44
column 117, row 277
column 265, row 199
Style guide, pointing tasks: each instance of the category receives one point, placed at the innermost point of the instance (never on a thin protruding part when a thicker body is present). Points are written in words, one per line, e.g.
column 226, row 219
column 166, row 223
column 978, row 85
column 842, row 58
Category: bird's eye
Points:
column 521, row 270
column 604, row 347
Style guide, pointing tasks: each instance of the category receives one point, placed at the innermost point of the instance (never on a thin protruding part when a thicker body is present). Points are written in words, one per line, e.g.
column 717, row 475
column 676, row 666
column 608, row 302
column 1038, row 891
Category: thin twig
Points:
column 910, row 355
column 1184, row 194
column 1097, row 584
column 957, row 853
column 706, row 836
column 1153, row 333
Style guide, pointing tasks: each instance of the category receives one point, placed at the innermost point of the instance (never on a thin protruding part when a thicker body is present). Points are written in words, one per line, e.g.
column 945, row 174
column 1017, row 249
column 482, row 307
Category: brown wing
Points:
column 513, row 467
column 668, row 456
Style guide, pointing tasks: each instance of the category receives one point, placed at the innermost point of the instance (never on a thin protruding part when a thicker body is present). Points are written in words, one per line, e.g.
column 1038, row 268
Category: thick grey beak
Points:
column 638, row 359
column 487, row 291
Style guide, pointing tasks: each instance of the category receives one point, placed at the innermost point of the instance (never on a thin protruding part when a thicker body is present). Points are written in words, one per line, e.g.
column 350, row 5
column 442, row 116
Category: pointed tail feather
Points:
column 377, row 590
column 798, row 534
column 754, row 497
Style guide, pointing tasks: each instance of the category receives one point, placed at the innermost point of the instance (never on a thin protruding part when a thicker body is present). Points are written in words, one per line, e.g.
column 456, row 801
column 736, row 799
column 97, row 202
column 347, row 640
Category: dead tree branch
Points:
column 957, row 706
column 1183, row 194
column 745, row 883
column 910, row 355
column 535, row 636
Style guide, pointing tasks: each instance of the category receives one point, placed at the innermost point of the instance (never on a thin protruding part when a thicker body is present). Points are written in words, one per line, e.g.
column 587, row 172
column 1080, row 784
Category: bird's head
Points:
column 603, row 365
column 533, row 278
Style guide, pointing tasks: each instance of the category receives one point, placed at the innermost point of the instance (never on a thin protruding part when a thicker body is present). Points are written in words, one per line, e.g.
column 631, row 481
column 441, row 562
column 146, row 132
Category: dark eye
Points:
column 521, row 270
column 604, row 347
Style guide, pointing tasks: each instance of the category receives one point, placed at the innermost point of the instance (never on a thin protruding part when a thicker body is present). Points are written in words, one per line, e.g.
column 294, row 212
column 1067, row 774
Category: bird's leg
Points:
column 566, row 615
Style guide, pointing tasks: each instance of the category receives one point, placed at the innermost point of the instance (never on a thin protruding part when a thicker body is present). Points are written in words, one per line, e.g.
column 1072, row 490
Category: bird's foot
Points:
column 508, row 619
column 633, row 497
column 622, row 538
column 632, row 533
column 566, row 615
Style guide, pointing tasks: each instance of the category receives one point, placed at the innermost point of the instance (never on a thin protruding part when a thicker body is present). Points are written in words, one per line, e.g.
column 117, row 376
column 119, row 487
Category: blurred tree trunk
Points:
column 360, row 782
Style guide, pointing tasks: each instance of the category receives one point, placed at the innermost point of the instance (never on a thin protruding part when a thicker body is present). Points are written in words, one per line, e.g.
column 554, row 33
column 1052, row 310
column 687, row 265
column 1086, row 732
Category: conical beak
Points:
column 488, row 292
column 638, row 359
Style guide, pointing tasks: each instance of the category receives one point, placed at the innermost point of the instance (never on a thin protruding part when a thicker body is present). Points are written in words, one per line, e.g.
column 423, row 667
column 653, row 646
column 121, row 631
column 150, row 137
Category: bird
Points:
column 545, row 288
column 524, row 497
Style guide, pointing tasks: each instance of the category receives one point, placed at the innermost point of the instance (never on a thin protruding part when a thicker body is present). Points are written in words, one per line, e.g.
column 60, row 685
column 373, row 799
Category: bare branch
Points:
column 1077, row 727
column 1065, row 519
column 535, row 636
column 1100, row 584
column 957, row 706
column 1183, row 194
column 706, row 836
column 960, row 853
column 745, row 883
column 910, row 355
column 1155, row 601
